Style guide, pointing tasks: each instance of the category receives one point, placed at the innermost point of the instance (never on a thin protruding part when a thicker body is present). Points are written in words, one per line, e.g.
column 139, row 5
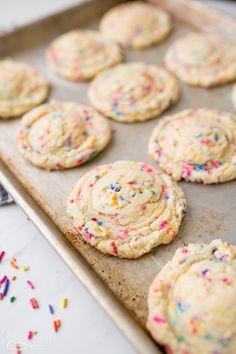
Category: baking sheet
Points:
column 211, row 209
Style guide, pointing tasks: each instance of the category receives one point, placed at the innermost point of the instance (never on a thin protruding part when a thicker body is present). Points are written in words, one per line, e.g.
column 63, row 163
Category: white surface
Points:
column 85, row 327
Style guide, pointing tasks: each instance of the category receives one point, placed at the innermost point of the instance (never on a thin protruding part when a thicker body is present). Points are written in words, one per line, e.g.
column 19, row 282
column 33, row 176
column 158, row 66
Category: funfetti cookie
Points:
column 136, row 24
column 61, row 135
column 191, row 302
column 202, row 59
column 21, row 88
column 81, row 54
column 133, row 92
column 126, row 208
column 198, row 145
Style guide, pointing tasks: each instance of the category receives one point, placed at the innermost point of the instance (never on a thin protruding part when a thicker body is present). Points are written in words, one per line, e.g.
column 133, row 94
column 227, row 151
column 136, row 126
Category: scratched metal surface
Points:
column 211, row 209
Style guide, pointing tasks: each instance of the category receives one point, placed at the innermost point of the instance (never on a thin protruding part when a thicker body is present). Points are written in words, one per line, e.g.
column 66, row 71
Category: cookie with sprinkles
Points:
column 233, row 95
column 198, row 145
column 136, row 24
column 21, row 88
column 61, row 135
column 191, row 302
column 202, row 60
column 133, row 92
column 126, row 208
column 81, row 54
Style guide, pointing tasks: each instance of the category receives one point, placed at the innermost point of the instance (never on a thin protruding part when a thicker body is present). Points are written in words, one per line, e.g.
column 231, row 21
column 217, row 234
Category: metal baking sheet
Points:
column 43, row 194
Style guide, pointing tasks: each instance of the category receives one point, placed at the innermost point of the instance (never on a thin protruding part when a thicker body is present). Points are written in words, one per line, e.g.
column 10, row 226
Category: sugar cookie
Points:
column 192, row 301
column 133, row 92
column 61, row 135
column 21, row 88
column 197, row 145
column 126, row 208
column 202, row 60
column 136, row 24
column 81, row 54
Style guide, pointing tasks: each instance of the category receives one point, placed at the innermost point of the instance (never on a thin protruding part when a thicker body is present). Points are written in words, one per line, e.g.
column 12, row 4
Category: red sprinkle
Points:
column 2, row 255
column 114, row 248
column 18, row 351
column 34, row 303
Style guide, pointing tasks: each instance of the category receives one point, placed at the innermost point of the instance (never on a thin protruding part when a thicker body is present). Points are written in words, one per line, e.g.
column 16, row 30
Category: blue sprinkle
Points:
column 51, row 309
column 198, row 167
column 208, row 336
column 6, row 286
column 180, row 306
column 87, row 118
column 69, row 143
column 204, row 272
column 100, row 222
column 121, row 198
column 115, row 187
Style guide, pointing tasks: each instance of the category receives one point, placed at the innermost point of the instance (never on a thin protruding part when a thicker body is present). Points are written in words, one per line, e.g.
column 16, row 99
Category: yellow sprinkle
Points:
column 114, row 199
column 197, row 158
column 64, row 303
column 25, row 268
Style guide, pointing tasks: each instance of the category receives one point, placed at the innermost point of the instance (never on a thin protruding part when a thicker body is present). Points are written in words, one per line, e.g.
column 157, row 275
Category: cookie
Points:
column 126, row 208
column 136, row 24
column 21, row 88
column 191, row 302
column 61, row 135
column 233, row 95
column 202, row 60
column 133, row 92
column 198, row 145
column 81, row 54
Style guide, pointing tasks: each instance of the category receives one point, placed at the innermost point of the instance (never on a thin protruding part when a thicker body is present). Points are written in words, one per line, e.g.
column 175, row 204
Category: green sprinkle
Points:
column 12, row 299
column 153, row 193
column 180, row 338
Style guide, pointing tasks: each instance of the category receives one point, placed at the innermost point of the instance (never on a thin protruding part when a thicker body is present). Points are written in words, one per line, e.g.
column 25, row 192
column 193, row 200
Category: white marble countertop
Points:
column 85, row 327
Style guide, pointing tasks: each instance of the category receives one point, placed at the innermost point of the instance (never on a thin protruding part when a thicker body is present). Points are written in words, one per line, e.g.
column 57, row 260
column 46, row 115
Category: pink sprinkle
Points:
column 184, row 250
column 187, row 171
column 225, row 280
column 159, row 319
column 30, row 335
column 18, row 351
column 2, row 255
column 164, row 224
column 3, row 279
column 30, row 284
column 214, row 164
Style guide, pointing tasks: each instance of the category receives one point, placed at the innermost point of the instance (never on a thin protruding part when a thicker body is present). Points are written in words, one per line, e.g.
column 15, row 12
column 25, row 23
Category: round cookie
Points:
column 136, row 24
column 198, row 145
column 202, row 60
column 61, row 135
column 81, row 54
column 233, row 95
column 21, row 88
column 133, row 92
column 126, row 208
column 192, row 300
